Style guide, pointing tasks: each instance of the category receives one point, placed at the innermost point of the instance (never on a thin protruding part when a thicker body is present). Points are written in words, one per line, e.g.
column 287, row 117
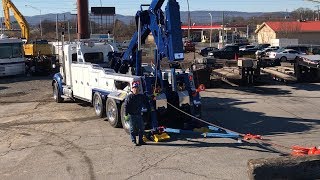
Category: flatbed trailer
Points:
column 244, row 71
column 305, row 68
column 280, row 73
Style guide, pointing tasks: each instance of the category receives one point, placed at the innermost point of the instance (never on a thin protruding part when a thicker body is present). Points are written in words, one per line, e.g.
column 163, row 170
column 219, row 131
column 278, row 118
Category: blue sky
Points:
column 129, row 7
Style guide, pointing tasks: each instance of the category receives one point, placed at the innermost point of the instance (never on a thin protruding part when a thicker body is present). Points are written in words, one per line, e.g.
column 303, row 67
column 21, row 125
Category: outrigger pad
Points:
column 160, row 137
column 155, row 137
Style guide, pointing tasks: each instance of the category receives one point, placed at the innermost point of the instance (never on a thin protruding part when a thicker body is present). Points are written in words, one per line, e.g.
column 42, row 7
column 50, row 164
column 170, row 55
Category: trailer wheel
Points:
column 56, row 94
column 112, row 112
column 99, row 105
column 125, row 124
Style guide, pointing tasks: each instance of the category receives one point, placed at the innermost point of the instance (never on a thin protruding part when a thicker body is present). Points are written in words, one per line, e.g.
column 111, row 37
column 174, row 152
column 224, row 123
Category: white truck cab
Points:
column 85, row 75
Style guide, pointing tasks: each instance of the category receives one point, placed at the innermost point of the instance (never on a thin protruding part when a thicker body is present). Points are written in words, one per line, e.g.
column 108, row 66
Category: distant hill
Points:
column 203, row 17
column 198, row 17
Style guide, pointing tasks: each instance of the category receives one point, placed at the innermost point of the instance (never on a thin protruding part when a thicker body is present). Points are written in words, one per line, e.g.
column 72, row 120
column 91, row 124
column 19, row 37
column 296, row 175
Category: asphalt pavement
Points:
column 41, row 139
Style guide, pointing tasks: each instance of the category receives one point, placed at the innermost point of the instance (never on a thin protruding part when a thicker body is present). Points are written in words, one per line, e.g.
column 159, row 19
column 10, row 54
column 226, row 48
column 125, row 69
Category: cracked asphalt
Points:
column 40, row 139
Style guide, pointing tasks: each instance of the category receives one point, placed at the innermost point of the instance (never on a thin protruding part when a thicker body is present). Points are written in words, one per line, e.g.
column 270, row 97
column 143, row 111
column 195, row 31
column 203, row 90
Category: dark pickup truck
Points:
column 228, row 52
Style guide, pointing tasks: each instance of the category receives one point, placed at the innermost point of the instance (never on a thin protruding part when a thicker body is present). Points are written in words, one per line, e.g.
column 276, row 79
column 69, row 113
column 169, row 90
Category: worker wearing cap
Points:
column 133, row 106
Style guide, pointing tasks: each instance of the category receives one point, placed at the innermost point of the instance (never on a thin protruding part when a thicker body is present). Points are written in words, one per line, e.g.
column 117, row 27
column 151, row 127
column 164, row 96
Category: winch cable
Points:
column 260, row 141
column 204, row 120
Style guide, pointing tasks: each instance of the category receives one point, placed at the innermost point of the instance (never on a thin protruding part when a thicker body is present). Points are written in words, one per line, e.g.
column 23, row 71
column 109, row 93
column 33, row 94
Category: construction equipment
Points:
column 38, row 54
column 24, row 26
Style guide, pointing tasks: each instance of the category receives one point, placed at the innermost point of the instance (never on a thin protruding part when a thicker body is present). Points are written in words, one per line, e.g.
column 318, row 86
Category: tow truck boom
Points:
column 167, row 35
column 165, row 30
column 172, row 85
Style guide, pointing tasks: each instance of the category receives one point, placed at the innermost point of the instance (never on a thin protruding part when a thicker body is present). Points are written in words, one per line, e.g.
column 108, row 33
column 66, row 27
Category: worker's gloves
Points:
column 126, row 117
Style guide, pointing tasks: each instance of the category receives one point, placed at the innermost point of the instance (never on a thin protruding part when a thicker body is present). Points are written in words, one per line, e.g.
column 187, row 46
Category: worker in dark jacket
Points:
column 133, row 107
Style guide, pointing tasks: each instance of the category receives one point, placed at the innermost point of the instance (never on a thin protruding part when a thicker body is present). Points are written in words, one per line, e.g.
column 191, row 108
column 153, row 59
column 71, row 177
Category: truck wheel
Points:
column 56, row 94
column 113, row 113
column 99, row 105
column 125, row 124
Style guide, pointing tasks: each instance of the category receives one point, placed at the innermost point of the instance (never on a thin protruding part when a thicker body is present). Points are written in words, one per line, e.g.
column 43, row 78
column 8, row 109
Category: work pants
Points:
column 136, row 127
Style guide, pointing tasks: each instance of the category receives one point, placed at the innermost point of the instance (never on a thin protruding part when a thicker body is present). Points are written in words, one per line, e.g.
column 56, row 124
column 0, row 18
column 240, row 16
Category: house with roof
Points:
column 307, row 32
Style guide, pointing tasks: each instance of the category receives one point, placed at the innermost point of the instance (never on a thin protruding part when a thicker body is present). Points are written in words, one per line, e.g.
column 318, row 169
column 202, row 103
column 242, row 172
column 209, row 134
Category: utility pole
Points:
column 222, row 28
column 69, row 36
column 318, row 6
column 210, row 29
column 248, row 32
column 188, row 20
column 100, row 31
column 57, row 33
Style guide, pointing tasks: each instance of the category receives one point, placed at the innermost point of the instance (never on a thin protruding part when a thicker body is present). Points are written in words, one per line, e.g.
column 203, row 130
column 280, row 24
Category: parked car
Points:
column 204, row 52
column 242, row 48
column 252, row 51
column 189, row 46
column 284, row 55
column 240, row 44
column 228, row 52
column 274, row 47
column 266, row 52
column 300, row 48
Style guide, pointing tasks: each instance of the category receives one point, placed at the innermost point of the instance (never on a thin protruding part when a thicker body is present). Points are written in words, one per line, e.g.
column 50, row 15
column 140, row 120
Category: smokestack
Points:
column 83, row 19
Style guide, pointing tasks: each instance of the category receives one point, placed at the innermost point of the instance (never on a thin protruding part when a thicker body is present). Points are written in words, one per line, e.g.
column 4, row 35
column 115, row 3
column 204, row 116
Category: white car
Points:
column 284, row 55
column 265, row 52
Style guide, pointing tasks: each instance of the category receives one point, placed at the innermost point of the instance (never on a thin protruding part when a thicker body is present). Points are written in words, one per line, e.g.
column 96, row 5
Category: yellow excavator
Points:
column 38, row 54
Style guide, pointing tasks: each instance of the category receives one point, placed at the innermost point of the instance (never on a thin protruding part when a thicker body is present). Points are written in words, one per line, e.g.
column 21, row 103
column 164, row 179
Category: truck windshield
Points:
column 10, row 50
column 96, row 57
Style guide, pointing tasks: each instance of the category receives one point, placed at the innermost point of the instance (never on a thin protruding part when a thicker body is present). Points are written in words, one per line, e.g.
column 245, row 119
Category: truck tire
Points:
column 112, row 112
column 99, row 105
column 56, row 93
column 125, row 124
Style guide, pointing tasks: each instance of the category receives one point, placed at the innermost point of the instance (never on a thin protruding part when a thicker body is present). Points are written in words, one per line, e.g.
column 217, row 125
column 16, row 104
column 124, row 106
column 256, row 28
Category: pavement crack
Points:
column 143, row 169
column 186, row 172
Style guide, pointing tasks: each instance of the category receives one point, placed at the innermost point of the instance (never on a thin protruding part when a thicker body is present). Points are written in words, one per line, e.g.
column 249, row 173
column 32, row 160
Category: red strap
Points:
column 303, row 151
column 251, row 136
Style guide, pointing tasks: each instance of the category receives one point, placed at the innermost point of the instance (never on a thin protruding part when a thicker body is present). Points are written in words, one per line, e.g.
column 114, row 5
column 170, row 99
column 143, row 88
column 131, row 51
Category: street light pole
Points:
column 318, row 6
column 40, row 24
column 188, row 20
column 40, row 18
column 100, row 18
column 210, row 29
